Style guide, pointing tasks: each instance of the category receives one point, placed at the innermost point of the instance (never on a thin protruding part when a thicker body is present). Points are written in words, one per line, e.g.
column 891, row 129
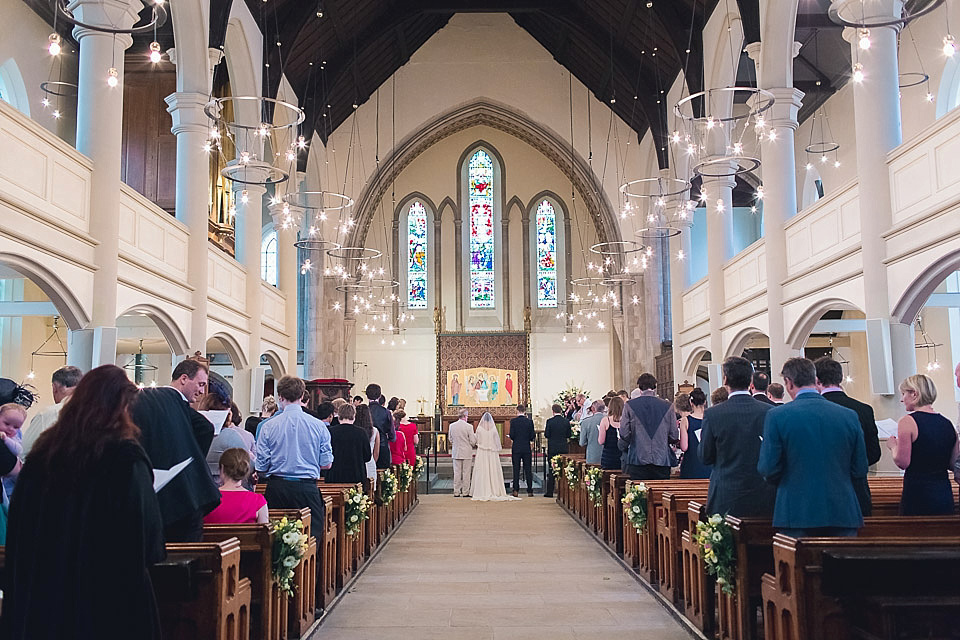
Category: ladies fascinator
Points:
column 23, row 395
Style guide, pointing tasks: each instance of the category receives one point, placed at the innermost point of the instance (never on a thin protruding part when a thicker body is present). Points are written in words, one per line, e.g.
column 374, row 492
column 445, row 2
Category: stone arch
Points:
column 190, row 19
column 741, row 339
column 505, row 119
column 693, row 361
column 66, row 303
column 241, row 53
column 172, row 333
column 237, row 357
column 808, row 319
column 12, row 80
column 916, row 295
column 276, row 363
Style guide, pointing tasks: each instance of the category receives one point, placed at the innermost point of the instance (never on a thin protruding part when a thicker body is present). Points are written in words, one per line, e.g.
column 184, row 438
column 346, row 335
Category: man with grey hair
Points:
column 63, row 382
column 589, row 430
column 463, row 440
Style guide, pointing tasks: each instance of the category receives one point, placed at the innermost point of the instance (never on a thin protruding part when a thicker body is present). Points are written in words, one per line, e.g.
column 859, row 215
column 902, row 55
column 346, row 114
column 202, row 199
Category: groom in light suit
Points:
column 462, row 442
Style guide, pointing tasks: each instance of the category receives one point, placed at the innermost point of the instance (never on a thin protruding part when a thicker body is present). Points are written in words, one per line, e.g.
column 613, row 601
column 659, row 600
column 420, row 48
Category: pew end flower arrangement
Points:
column 289, row 547
column 575, row 430
column 357, row 510
column 635, row 505
column 715, row 539
column 573, row 478
column 593, row 479
column 419, row 467
column 556, row 466
column 404, row 476
column 388, row 487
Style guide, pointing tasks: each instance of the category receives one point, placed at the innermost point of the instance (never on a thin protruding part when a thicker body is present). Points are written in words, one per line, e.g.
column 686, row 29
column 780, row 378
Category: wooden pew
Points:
column 616, row 483
column 671, row 522
column 647, row 559
column 303, row 604
column 200, row 593
column 371, row 534
column 344, row 547
column 698, row 588
column 268, row 605
column 887, row 587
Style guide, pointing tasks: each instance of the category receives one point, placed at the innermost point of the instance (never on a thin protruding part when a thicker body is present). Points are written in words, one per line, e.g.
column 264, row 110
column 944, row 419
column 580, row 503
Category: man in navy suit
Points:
column 730, row 441
column 813, row 451
column 758, row 387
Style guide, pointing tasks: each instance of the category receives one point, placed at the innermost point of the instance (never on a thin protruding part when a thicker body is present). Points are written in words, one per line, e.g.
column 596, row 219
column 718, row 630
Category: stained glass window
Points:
column 480, row 173
column 417, row 256
column 268, row 258
column 546, row 255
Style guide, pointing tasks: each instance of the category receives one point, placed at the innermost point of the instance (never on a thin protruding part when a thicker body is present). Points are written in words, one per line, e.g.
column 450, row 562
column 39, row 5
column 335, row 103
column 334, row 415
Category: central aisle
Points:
column 462, row 569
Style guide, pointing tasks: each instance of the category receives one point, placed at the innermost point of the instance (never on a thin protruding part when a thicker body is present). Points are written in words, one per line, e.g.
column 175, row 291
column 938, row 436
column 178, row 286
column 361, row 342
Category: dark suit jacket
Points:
column 813, row 450
column 762, row 397
column 557, row 432
column 871, row 441
column 730, row 441
column 521, row 434
column 383, row 422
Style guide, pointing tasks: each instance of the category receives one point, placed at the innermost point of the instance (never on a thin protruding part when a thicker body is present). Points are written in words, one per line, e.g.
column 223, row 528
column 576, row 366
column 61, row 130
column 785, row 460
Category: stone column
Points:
column 679, row 281
column 313, row 297
column 287, row 221
column 876, row 102
column 191, row 126
column 719, row 204
column 99, row 136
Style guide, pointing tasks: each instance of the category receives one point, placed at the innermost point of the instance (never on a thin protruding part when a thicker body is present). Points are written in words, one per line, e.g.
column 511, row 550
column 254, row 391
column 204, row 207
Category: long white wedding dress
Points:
column 487, row 483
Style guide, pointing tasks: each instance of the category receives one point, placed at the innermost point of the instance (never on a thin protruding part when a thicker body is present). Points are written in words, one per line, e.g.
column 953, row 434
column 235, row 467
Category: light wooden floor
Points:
column 458, row 569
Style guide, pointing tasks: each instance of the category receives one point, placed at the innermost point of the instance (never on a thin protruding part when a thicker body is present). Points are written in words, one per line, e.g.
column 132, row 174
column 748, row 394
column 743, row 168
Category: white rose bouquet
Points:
column 289, row 547
column 388, row 487
column 404, row 476
column 635, row 505
column 575, row 430
column 715, row 539
column 419, row 467
column 573, row 478
column 556, row 466
column 593, row 479
column 357, row 510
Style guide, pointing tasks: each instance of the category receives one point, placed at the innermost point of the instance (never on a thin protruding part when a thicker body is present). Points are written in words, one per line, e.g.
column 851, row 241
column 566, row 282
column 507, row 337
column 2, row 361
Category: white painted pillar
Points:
column 191, row 126
column 287, row 221
column 679, row 281
column 99, row 137
column 719, row 204
column 313, row 286
column 876, row 101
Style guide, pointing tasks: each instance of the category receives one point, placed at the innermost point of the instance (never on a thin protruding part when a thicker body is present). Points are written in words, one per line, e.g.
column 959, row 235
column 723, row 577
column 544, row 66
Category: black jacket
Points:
column 521, row 434
column 557, row 432
column 383, row 422
column 867, row 422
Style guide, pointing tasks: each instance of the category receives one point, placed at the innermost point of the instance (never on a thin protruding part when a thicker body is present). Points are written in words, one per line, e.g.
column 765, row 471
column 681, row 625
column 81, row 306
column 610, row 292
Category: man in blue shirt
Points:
column 293, row 449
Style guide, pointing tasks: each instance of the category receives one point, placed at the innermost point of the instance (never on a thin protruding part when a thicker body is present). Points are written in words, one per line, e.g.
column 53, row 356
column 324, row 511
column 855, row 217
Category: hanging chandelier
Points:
column 859, row 14
column 48, row 352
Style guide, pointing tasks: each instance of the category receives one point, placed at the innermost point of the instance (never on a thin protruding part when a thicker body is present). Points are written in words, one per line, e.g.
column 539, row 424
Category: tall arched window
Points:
column 416, row 256
column 546, row 255
column 268, row 257
column 482, row 245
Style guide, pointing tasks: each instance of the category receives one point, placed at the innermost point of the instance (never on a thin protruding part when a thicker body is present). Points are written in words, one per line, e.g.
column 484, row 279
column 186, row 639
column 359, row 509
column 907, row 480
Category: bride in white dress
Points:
column 487, row 483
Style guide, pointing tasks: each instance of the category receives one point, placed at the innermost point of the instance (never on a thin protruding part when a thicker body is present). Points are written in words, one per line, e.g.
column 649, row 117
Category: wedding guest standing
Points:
column 691, row 416
column 85, row 524
column 351, row 448
column 648, row 426
column 609, row 434
column 383, row 422
column 926, row 448
column 409, row 431
column 62, row 384
column 365, row 422
column 237, row 504
column 589, row 432
column 267, row 409
column 557, row 432
column 759, row 386
column 775, row 393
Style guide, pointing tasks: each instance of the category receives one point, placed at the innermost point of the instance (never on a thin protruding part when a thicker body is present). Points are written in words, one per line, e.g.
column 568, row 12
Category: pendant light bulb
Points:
column 113, row 77
column 949, row 46
column 53, row 44
column 244, row 197
column 858, row 72
column 155, row 55
column 864, row 38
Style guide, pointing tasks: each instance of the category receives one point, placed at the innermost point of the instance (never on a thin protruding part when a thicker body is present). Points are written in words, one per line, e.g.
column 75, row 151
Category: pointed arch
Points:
column 413, row 269
column 561, row 249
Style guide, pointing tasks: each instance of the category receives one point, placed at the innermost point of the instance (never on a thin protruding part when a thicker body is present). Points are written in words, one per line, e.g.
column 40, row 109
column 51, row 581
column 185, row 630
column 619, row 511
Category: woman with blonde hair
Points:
column 926, row 447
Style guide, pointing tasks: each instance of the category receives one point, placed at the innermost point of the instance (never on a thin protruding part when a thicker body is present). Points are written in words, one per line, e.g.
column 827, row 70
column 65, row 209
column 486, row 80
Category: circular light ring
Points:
column 885, row 21
column 763, row 99
column 658, row 233
column 275, row 175
column 215, row 108
column 820, row 148
column 619, row 279
column 616, row 247
column 353, row 287
column 587, row 281
column 316, row 245
column 912, row 79
column 382, row 283
column 318, row 200
column 358, row 254
column 713, row 168
column 62, row 89
column 158, row 16
column 667, row 187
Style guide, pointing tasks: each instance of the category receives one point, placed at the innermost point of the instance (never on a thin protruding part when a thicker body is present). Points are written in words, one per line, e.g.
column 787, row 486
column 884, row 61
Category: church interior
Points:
column 491, row 203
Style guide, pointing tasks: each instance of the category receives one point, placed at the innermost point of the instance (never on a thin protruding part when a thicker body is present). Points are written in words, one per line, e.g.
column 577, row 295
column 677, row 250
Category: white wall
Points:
column 403, row 370
column 556, row 365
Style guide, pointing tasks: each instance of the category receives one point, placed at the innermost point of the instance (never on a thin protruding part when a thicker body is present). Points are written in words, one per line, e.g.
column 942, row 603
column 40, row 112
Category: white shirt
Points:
column 40, row 423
